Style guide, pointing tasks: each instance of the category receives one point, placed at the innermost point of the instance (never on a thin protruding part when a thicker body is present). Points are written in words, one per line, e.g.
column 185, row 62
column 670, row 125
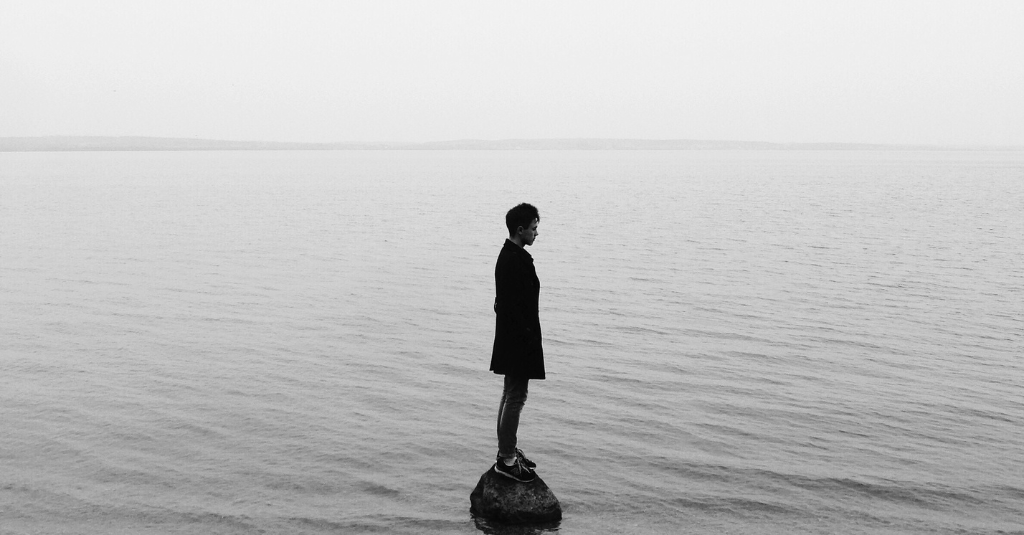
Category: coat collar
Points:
column 509, row 244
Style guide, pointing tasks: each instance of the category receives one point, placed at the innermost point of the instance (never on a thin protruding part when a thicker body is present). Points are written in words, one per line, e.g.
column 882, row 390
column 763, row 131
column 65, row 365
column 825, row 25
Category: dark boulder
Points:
column 499, row 498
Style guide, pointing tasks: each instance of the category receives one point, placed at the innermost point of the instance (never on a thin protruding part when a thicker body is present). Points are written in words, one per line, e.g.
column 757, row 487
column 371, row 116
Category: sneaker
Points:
column 522, row 458
column 517, row 471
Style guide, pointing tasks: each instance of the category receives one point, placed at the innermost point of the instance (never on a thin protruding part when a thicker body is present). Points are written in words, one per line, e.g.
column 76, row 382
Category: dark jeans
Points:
column 513, row 397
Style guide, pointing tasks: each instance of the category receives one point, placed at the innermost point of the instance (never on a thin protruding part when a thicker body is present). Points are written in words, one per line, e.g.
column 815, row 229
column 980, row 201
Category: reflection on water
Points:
column 491, row 527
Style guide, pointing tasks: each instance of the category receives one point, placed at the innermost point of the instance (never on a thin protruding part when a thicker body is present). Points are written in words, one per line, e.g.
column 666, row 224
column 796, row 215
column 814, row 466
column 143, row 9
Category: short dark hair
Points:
column 521, row 216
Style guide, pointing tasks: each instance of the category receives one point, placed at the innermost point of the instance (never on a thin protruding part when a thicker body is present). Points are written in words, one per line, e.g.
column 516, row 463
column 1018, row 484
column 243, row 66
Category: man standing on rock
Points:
column 517, row 352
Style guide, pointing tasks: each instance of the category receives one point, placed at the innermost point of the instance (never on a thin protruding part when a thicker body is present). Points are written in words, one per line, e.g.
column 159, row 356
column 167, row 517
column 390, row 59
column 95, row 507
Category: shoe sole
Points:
column 512, row 477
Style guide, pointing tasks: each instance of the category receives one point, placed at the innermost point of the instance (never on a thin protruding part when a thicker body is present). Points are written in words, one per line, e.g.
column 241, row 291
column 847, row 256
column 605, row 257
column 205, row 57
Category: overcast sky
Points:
column 859, row 71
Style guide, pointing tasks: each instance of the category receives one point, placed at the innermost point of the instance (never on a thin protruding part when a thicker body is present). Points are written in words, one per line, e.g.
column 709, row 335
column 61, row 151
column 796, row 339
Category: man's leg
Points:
column 513, row 397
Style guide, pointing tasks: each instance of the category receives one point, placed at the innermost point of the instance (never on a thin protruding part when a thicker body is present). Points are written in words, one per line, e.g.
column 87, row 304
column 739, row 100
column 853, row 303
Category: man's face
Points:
column 528, row 234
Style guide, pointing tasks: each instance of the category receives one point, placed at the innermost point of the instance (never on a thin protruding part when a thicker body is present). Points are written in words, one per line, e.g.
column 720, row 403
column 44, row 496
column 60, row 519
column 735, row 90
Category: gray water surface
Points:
column 297, row 342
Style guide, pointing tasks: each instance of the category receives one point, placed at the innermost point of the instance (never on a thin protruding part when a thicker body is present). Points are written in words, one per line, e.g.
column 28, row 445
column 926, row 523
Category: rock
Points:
column 499, row 498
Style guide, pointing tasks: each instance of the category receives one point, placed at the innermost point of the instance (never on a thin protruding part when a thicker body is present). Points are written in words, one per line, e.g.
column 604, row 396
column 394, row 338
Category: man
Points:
column 517, row 352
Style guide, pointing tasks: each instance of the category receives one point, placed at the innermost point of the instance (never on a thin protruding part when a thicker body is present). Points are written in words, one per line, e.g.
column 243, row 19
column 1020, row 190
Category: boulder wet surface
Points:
column 502, row 499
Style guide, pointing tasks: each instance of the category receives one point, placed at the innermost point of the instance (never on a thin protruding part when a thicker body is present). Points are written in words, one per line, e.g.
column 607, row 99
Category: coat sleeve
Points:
column 511, row 300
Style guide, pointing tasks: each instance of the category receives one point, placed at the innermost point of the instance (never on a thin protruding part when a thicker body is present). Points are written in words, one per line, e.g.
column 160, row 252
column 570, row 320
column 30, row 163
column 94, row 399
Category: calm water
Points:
column 297, row 342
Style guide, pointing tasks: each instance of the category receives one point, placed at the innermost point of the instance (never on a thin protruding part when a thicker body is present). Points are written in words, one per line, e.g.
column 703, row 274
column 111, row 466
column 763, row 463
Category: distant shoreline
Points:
column 90, row 143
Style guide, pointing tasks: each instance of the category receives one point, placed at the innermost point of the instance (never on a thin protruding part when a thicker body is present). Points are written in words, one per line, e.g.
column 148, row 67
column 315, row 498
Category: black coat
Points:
column 517, row 340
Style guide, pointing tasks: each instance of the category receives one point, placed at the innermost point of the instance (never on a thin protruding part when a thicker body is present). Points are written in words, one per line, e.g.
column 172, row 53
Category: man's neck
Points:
column 516, row 240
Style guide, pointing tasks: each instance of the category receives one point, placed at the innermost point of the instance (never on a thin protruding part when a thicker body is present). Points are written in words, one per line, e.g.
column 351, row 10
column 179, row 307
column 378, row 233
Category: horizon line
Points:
column 58, row 143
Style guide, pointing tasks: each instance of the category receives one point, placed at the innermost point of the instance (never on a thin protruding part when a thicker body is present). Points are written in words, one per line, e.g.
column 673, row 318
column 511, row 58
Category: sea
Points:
column 297, row 342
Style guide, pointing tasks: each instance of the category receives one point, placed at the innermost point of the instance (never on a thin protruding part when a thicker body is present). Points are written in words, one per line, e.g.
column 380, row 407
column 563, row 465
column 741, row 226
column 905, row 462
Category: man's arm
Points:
column 511, row 296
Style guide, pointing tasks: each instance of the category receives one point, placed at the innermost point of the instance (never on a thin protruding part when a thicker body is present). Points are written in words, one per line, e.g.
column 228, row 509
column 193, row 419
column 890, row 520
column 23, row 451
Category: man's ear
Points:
column 519, row 230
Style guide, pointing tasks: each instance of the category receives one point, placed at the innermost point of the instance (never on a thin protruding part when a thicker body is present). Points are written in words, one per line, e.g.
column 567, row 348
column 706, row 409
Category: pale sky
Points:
column 928, row 72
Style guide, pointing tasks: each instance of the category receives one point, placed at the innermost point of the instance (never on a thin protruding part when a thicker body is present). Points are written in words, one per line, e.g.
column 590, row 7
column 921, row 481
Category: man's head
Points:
column 522, row 223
